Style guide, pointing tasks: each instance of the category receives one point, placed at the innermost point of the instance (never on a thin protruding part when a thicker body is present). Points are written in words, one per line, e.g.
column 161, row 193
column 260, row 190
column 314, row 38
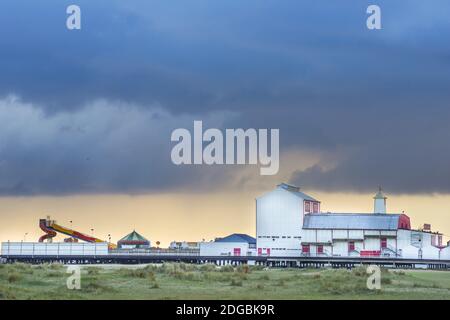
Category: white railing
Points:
column 53, row 249
column 154, row 252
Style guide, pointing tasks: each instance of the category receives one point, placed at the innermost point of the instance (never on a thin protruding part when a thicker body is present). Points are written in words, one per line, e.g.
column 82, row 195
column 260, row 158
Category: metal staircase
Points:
column 389, row 251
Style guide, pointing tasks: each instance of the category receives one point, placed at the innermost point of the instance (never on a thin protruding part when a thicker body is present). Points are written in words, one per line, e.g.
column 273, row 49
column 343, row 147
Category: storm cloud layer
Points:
column 91, row 111
column 104, row 147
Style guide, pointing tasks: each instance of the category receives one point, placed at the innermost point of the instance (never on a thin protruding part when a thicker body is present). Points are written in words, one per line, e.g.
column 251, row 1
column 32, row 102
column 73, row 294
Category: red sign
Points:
column 370, row 253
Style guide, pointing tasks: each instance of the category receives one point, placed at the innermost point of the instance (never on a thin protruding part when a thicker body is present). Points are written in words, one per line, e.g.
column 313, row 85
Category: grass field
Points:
column 183, row 281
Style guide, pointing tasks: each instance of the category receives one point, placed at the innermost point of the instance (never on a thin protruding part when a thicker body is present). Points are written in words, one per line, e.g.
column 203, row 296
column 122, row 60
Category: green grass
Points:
column 185, row 281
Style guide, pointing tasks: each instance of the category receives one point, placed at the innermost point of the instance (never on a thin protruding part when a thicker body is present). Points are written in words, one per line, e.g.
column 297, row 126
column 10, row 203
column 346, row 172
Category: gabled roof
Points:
column 352, row 221
column 237, row 237
column 133, row 237
column 296, row 191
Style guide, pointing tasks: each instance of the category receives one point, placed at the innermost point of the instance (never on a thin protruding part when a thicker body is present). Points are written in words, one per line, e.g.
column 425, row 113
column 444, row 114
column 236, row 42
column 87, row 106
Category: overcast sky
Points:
column 91, row 111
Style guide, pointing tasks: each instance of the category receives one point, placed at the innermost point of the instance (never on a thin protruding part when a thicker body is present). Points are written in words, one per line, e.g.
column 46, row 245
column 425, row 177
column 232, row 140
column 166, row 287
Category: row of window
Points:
column 436, row 240
column 351, row 246
column 278, row 237
column 280, row 249
column 312, row 207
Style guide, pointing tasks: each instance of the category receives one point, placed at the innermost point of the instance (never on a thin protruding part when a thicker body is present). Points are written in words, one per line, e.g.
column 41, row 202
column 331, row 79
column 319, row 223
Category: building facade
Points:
column 236, row 244
column 289, row 223
column 184, row 245
column 279, row 220
column 133, row 241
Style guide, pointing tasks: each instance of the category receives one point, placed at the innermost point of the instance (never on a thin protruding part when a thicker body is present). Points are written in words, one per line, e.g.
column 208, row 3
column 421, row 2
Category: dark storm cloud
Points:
column 198, row 55
column 404, row 153
column 376, row 102
column 104, row 147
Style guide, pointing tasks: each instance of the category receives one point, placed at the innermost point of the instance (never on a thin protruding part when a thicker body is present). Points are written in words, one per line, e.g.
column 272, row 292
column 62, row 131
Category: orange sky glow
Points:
column 190, row 217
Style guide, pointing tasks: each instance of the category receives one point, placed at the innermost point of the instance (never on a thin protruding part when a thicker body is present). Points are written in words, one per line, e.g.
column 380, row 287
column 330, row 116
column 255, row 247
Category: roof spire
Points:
column 380, row 194
column 380, row 201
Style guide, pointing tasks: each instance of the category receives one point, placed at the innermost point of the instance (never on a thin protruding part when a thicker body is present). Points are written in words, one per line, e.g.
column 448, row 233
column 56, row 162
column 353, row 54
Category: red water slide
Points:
column 49, row 233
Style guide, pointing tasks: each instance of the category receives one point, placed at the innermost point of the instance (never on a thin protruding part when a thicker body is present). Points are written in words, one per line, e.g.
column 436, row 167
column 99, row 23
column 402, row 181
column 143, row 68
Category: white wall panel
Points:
column 430, row 252
column 372, row 243
column 340, row 248
column 445, row 253
column 323, row 236
column 340, row 234
column 309, row 235
column 356, row 234
column 372, row 233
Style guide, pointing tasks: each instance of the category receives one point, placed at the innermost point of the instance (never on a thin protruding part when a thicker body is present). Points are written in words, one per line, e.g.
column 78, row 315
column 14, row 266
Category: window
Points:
column 315, row 207
column 383, row 243
column 307, row 206
column 351, row 246
column 305, row 248
column 320, row 249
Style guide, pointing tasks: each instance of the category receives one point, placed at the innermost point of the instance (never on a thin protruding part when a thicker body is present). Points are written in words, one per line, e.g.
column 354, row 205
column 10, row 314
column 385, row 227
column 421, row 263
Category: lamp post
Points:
column 25, row 236
column 92, row 232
